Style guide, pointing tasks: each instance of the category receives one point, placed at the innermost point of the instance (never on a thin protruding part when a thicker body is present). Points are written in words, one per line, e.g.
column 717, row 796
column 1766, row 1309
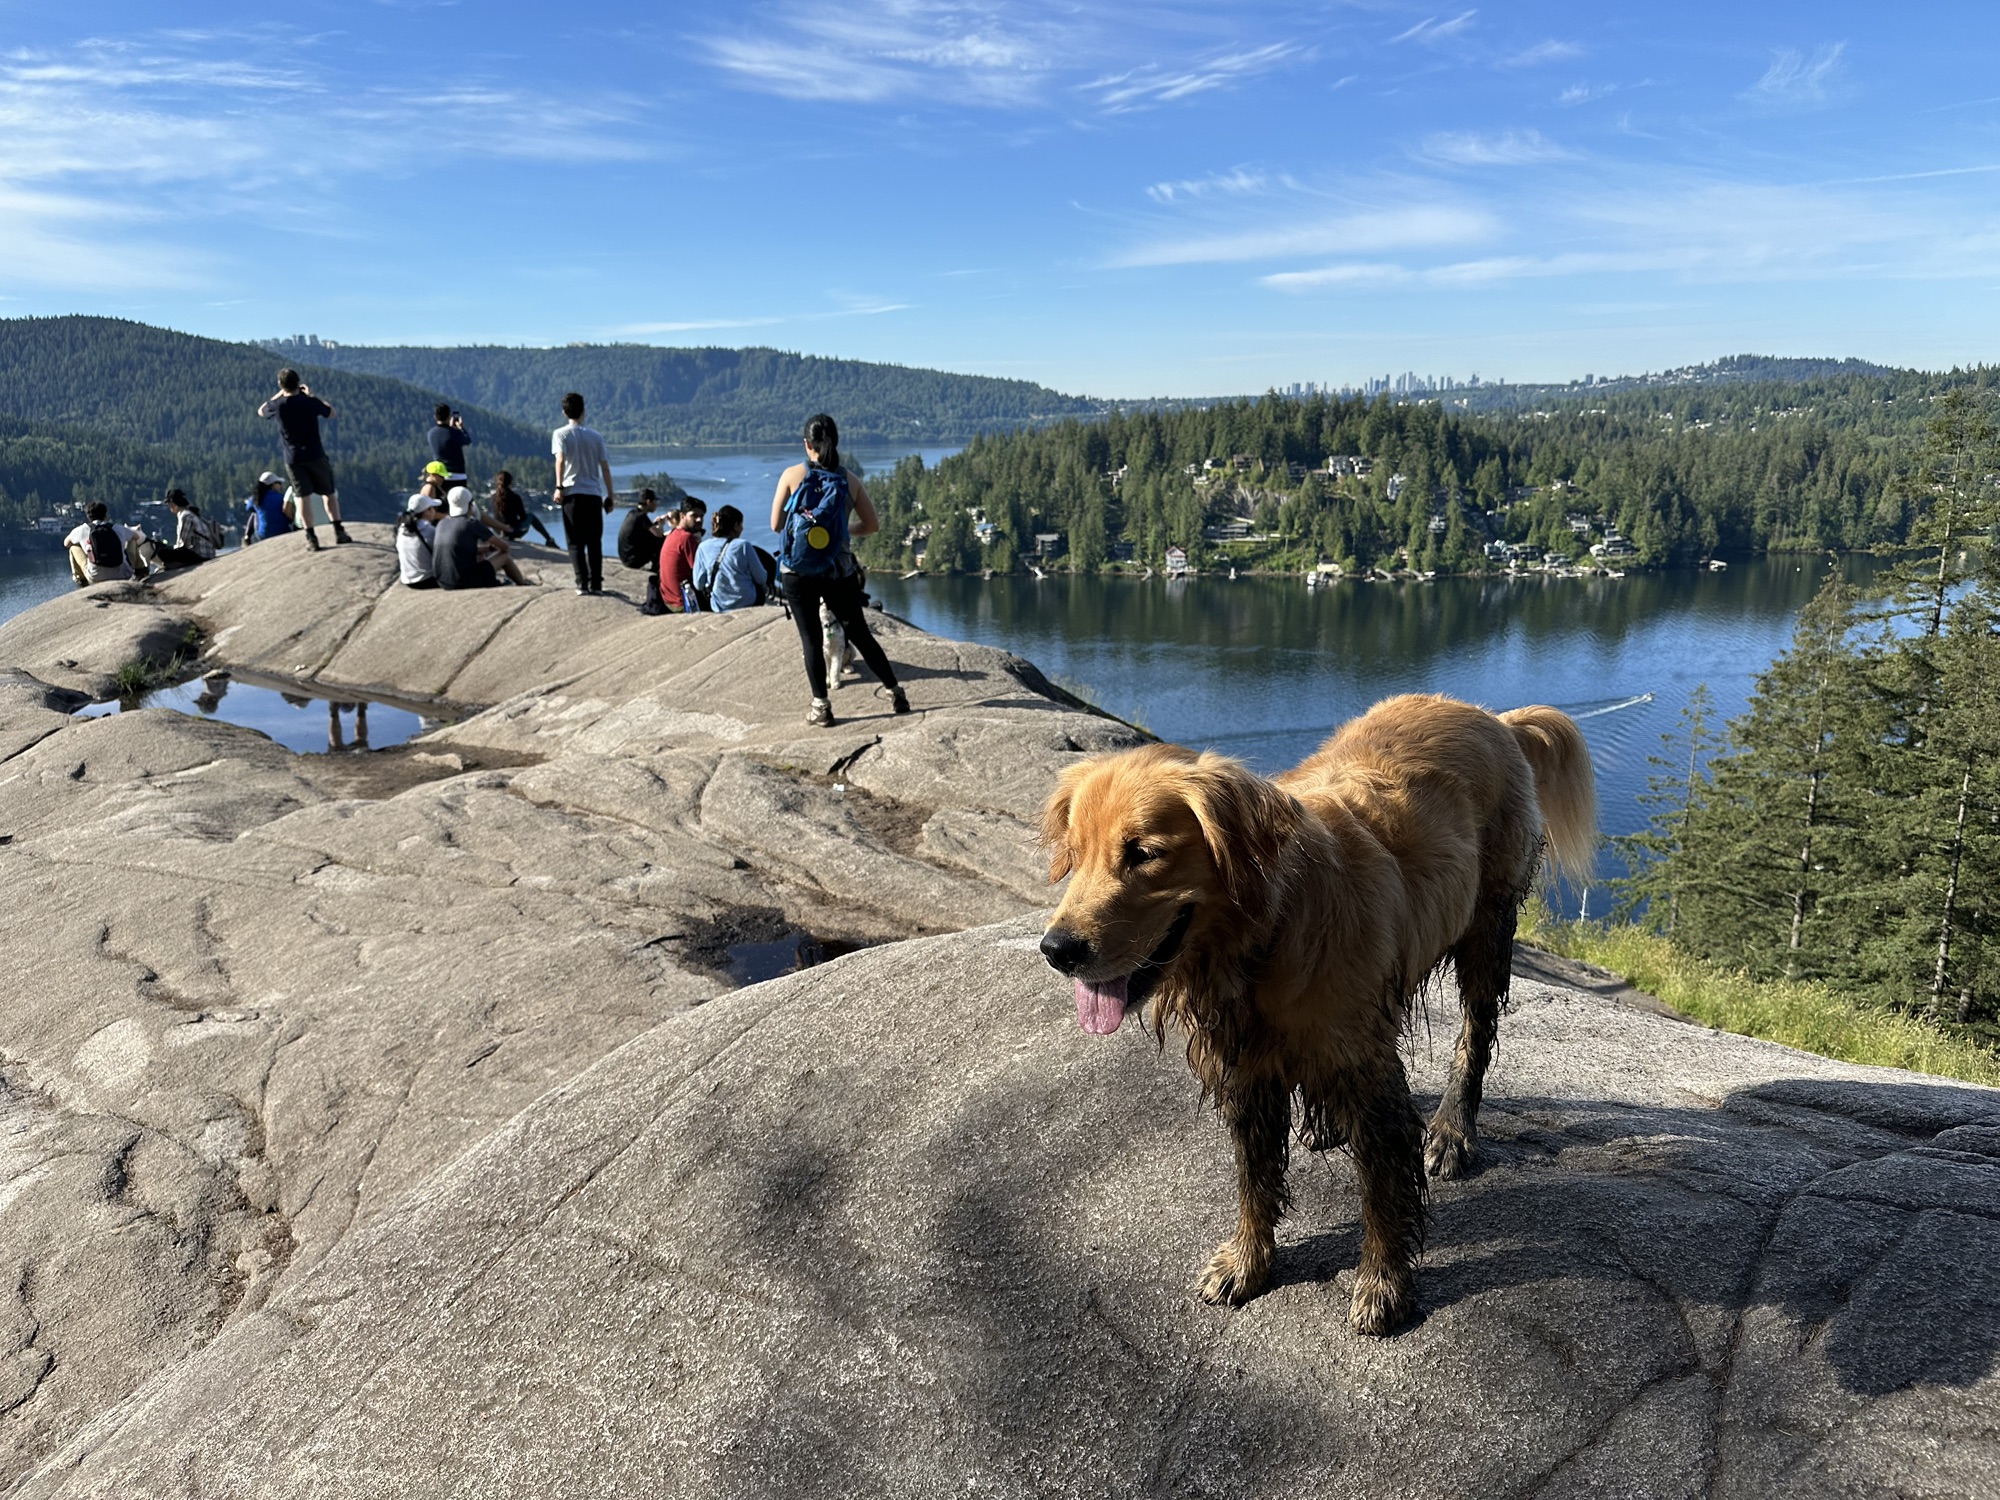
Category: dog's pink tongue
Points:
column 1100, row 1007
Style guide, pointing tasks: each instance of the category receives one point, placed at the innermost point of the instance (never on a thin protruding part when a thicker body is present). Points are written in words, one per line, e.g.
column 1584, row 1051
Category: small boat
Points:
column 1036, row 571
column 1717, row 565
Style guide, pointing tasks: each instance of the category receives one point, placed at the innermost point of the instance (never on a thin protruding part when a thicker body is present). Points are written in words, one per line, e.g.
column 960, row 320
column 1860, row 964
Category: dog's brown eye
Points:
column 1137, row 853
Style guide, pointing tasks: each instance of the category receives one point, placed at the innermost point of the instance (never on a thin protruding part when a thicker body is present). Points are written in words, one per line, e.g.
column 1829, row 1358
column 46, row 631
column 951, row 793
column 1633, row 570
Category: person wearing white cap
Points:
column 268, row 512
column 466, row 551
column 416, row 536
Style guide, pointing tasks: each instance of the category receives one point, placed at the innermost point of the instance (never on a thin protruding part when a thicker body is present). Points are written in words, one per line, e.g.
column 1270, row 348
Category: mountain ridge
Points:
column 660, row 395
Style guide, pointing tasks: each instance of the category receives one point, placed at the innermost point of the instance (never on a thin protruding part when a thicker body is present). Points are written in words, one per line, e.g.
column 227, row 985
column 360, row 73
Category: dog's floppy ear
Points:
column 1244, row 821
column 1055, row 818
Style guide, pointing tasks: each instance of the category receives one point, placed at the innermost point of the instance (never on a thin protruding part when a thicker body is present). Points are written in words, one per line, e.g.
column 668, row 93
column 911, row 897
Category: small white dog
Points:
column 839, row 655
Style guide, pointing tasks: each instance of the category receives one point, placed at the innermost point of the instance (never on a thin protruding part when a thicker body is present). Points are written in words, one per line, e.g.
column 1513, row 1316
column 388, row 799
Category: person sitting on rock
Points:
column 639, row 538
column 510, row 509
column 677, row 556
column 101, row 550
column 465, row 552
column 196, row 538
column 416, row 541
column 435, row 483
column 267, row 512
column 728, row 573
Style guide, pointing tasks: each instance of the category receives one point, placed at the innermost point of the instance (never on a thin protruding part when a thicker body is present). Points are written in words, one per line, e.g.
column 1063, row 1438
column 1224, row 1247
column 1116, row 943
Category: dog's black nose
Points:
column 1064, row 950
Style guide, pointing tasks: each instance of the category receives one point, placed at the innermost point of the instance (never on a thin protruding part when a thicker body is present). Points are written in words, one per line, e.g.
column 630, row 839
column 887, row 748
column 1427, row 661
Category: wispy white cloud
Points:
column 107, row 147
column 1795, row 80
column 1031, row 53
column 1585, row 93
column 1139, row 87
column 1365, row 231
column 1510, row 148
column 875, row 51
column 1431, row 29
column 1239, row 183
column 1698, row 231
column 1547, row 51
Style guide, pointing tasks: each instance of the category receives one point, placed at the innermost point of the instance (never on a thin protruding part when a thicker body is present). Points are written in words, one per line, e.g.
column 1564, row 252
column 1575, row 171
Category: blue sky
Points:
column 1109, row 198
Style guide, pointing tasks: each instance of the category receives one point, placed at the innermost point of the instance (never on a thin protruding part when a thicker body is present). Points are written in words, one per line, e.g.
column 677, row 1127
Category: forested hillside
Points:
column 641, row 394
column 1676, row 474
column 1848, row 826
column 96, row 408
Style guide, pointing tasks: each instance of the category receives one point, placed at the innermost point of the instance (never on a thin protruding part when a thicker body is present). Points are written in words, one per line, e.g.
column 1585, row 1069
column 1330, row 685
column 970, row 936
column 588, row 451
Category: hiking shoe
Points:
column 820, row 714
column 898, row 700
column 340, row 533
column 312, row 541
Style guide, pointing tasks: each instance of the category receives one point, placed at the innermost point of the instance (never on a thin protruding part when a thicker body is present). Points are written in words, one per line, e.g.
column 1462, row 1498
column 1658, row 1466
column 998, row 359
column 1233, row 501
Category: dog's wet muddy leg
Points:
column 1484, row 959
column 1259, row 1116
column 1388, row 1143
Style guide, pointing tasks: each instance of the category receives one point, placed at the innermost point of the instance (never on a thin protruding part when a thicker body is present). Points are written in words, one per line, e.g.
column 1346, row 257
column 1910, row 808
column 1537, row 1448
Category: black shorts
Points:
column 311, row 476
column 482, row 576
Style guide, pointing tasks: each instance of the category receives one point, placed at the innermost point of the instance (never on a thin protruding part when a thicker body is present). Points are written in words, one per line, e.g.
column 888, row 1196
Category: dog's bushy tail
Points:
column 1565, row 785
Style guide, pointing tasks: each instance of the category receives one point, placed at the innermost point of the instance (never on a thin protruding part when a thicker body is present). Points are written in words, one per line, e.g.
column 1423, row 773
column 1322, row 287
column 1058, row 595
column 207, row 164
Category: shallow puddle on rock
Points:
column 306, row 722
column 753, row 963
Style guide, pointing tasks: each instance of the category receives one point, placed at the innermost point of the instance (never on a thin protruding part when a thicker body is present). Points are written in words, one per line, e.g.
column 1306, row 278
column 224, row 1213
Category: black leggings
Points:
column 583, row 523
column 843, row 597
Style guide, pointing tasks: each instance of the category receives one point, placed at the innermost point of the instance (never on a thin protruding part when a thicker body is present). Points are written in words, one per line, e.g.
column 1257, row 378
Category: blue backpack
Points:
column 815, row 543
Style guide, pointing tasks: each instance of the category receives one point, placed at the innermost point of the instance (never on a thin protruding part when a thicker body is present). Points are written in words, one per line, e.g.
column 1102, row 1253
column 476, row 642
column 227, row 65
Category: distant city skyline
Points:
column 1176, row 199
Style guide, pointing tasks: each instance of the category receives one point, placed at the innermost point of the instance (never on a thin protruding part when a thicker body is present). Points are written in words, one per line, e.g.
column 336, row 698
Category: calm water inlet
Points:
column 1263, row 668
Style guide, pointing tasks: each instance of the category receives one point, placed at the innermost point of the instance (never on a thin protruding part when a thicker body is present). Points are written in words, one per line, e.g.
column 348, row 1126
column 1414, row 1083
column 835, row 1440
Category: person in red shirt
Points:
column 677, row 557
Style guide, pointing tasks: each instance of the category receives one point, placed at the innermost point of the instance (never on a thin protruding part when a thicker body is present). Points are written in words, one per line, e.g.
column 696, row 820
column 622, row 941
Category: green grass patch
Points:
column 1806, row 1014
column 141, row 675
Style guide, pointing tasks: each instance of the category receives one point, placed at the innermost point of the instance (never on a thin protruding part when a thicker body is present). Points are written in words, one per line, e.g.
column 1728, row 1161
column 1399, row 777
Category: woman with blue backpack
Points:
column 816, row 563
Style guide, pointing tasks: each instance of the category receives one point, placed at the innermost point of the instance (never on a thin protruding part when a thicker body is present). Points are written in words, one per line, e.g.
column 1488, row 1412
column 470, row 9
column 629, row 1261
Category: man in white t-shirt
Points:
column 101, row 551
column 585, row 490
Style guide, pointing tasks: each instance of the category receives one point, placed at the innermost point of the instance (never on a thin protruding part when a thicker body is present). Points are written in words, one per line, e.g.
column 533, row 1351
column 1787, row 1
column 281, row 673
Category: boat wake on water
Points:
column 1602, row 706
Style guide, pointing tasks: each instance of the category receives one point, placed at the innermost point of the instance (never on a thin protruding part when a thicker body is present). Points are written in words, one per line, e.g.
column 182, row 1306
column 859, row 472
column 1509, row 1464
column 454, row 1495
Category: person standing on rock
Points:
column 298, row 412
column 584, row 489
column 449, row 440
column 810, row 513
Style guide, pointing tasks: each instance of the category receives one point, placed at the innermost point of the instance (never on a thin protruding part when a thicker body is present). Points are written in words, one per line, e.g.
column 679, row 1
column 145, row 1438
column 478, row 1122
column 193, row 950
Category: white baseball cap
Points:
column 459, row 499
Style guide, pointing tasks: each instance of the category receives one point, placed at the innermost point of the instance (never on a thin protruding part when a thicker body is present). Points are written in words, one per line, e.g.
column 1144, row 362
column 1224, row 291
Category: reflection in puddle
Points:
column 753, row 963
column 305, row 722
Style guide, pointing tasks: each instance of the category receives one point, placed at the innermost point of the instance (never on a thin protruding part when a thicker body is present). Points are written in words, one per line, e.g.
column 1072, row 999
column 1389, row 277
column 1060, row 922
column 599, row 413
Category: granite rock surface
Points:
column 392, row 1123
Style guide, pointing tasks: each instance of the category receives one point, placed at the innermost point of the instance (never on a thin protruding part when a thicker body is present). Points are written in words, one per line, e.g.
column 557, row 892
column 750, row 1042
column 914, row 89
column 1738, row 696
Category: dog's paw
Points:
column 1448, row 1151
column 1380, row 1305
column 1232, row 1278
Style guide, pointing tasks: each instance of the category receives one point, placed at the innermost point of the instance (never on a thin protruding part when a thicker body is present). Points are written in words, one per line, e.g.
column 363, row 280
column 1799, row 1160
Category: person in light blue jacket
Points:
column 728, row 573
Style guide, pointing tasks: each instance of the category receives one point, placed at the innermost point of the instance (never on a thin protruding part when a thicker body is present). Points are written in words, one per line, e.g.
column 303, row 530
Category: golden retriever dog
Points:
column 1285, row 925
